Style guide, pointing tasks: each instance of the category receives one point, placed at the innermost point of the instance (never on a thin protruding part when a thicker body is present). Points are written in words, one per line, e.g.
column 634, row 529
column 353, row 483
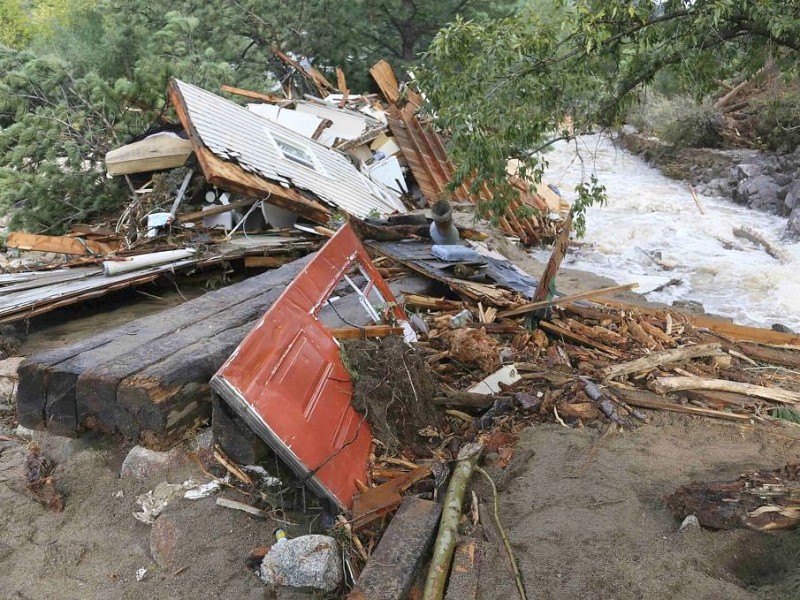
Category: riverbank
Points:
column 766, row 181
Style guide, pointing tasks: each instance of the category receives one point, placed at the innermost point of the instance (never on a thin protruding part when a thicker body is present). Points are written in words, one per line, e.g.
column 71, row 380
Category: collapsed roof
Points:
column 241, row 151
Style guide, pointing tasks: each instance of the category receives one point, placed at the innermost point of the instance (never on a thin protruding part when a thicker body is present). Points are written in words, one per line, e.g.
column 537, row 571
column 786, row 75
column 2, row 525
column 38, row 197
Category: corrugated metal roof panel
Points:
column 227, row 129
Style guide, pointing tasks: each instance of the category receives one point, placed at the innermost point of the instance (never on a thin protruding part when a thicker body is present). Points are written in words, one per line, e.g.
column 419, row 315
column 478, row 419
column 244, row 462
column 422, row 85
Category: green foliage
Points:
column 679, row 120
column 502, row 89
column 777, row 121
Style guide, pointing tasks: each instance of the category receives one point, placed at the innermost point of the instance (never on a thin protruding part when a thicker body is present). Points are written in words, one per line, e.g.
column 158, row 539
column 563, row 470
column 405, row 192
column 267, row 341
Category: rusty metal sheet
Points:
column 287, row 379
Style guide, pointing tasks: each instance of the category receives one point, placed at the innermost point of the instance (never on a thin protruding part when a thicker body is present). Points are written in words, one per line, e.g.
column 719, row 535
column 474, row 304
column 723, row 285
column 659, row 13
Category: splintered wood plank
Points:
column 383, row 74
column 567, row 300
column 665, row 385
column 657, row 359
column 261, row 97
column 774, row 356
column 383, row 499
column 59, row 244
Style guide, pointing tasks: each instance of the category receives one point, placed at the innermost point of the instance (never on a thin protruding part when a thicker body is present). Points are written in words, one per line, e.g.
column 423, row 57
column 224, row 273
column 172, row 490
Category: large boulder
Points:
column 305, row 562
column 761, row 192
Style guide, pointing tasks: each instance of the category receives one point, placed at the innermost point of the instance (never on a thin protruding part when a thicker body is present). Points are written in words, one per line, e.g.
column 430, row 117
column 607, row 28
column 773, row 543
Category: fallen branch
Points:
column 564, row 300
column 665, row 385
column 436, row 581
column 657, row 359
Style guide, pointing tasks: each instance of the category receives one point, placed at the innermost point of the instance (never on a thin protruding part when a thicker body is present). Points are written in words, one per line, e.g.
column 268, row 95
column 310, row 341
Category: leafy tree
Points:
column 506, row 88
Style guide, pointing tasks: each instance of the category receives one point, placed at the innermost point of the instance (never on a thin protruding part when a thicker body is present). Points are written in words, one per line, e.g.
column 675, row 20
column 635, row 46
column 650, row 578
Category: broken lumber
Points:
column 775, row 356
column 577, row 337
column 261, row 97
column 546, row 289
column 439, row 569
column 665, row 385
column 216, row 210
column 401, row 553
column 645, row 399
column 59, row 244
column 379, row 501
column 564, row 300
column 657, row 359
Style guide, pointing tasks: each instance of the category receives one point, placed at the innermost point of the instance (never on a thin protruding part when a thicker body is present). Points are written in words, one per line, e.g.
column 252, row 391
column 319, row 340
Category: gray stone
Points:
column 759, row 192
column 689, row 522
column 746, row 171
column 305, row 562
column 142, row 463
column 792, row 199
column 793, row 226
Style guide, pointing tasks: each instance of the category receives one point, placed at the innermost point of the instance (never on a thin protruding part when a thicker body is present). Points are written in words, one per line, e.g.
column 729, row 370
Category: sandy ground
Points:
column 585, row 518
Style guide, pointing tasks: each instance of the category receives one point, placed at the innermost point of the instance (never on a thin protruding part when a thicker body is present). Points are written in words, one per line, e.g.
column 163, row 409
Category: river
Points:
column 651, row 217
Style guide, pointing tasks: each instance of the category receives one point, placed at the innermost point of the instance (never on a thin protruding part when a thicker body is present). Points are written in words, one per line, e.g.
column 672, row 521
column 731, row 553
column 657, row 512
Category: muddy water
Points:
column 650, row 218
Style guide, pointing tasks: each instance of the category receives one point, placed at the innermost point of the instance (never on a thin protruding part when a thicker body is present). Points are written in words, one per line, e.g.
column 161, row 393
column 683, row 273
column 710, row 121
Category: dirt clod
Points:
column 393, row 388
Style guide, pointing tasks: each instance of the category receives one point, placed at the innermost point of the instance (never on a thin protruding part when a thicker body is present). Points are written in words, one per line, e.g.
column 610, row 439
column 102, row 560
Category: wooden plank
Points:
column 261, row 97
column 269, row 262
column 58, row 244
column 379, row 501
column 383, row 74
column 465, row 572
column 774, row 356
column 156, row 372
column 547, row 288
column 565, row 300
column 401, row 553
column 665, row 385
column 216, row 210
column 368, row 331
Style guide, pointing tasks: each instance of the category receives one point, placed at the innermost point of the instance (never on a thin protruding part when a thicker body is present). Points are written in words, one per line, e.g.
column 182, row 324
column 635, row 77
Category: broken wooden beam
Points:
column 657, row 359
column 59, row 244
column 665, row 385
column 401, row 553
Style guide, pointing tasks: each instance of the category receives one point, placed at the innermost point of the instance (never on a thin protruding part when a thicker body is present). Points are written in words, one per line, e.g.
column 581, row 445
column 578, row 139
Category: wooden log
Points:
column 546, row 288
column 644, row 338
column 665, row 385
column 644, row 399
column 657, row 359
column 58, row 244
column 565, row 300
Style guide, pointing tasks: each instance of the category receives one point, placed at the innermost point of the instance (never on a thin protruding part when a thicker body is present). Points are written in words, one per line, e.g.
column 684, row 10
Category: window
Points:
column 296, row 152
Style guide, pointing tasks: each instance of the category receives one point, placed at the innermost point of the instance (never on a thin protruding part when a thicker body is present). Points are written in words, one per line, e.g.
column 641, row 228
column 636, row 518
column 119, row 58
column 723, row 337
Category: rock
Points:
column 792, row 199
column 235, row 437
column 24, row 432
column 308, row 561
column 141, row 463
column 720, row 187
column 163, row 541
column 9, row 379
column 746, row 171
column 689, row 522
column 793, row 226
column 781, row 328
column 760, row 192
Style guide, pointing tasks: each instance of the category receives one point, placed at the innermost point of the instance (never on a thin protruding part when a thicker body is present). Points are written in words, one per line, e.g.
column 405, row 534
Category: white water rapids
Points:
column 648, row 213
